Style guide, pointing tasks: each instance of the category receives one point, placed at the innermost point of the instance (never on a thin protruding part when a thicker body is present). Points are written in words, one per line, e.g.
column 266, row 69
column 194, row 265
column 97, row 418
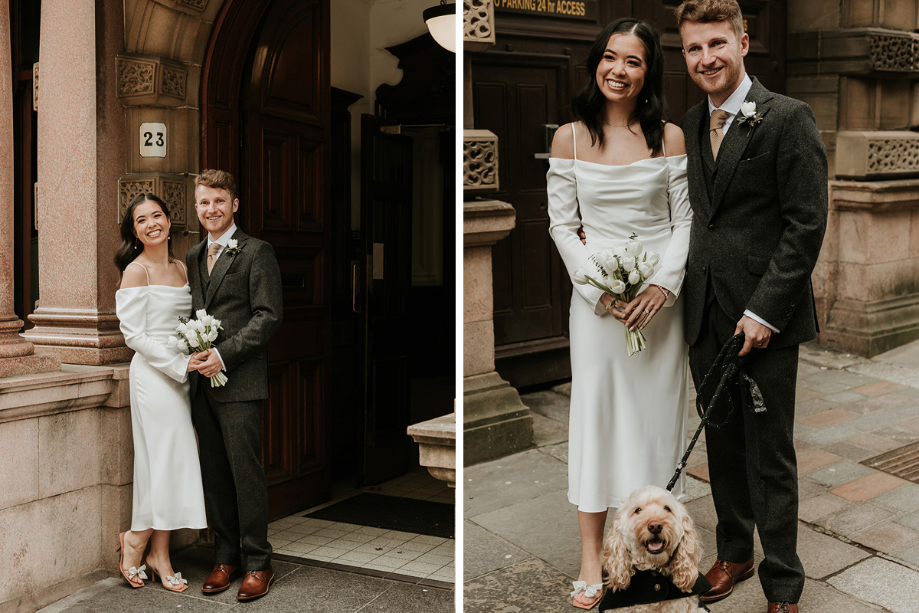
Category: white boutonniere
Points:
column 748, row 115
column 232, row 247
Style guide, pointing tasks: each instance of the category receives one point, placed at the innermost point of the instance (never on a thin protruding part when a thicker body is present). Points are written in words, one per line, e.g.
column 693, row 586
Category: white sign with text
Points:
column 152, row 140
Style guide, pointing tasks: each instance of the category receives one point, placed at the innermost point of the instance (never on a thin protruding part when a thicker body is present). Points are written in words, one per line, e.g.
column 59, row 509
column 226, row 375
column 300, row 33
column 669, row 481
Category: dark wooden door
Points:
column 527, row 80
column 515, row 99
column 386, row 224
column 266, row 118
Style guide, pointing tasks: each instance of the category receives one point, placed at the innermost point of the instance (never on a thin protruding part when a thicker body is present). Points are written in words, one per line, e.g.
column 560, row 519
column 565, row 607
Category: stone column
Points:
column 81, row 155
column 856, row 64
column 495, row 422
column 17, row 356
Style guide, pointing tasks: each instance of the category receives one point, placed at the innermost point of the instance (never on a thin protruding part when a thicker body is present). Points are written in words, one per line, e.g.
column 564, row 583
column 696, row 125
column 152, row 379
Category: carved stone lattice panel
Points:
column 478, row 24
column 898, row 53
column 173, row 194
column 877, row 155
column 146, row 80
column 172, row 189
column 480, row 161
column 886, row 156
column 35, row 87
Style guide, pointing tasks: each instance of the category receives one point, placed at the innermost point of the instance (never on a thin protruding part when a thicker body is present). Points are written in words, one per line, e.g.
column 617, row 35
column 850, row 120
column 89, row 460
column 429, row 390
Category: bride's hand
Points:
column 639, row 312
column 197, row 359
column 613, row 306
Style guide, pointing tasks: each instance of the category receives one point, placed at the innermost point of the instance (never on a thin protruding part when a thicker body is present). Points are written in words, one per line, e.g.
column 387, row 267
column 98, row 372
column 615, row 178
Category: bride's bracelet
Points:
column 663, row 291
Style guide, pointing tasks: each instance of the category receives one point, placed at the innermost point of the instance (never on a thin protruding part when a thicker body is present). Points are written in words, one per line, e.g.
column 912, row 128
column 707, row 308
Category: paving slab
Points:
column 881, row 582
column 823, row 555
column 547, row 431
column 841, row 472
column 484, row 552
column 904, row 498
column 559, row 452
column 528, row 586
column 519, row 477
column 549, row 404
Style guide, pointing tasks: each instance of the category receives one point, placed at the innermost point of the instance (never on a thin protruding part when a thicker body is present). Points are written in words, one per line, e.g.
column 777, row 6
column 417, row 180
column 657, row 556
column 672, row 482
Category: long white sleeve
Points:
column 672, row 268
column 563, row 227
column 131, row 307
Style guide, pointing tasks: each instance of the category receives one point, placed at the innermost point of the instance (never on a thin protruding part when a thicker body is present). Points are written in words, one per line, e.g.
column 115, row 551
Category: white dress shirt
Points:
column 732, row 107
column 222, row 241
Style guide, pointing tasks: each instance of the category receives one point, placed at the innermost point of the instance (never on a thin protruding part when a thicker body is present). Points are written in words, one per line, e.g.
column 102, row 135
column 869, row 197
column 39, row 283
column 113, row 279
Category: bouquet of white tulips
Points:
column 199, row 335
column 621, row 272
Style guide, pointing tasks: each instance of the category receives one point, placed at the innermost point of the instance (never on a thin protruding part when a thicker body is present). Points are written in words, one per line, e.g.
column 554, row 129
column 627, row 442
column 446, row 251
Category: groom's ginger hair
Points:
column 218, row 179
column 708, row 11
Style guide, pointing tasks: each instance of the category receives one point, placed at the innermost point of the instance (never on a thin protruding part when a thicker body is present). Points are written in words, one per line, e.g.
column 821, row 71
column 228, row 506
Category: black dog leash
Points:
column 728, row 363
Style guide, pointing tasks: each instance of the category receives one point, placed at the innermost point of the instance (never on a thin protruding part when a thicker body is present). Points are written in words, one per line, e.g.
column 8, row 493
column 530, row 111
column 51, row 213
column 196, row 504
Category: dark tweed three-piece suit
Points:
column 759, row 215
column 244, row 292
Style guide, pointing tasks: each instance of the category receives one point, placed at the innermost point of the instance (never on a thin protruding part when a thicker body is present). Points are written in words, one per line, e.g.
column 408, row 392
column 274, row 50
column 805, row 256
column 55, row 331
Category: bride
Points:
column 620, row 170
column 168, row 493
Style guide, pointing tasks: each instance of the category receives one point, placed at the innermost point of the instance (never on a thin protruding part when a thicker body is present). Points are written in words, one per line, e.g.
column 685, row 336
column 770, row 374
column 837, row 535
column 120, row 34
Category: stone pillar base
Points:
column 28, row 365
column 871, row 328
column 77, row 336
column 495, row 422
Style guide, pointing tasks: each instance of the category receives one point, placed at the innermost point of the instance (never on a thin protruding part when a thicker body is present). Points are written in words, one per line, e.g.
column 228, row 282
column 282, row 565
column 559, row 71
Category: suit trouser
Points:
column 235, row 488
column 751, row 460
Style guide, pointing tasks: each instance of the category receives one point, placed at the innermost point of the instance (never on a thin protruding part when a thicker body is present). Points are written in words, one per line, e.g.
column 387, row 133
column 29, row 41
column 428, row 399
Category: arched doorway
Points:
column 266, row 117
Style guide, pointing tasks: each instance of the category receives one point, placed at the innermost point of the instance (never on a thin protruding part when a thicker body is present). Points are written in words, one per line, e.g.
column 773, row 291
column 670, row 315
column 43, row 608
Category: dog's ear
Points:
column 616, row 558
column 684, row 566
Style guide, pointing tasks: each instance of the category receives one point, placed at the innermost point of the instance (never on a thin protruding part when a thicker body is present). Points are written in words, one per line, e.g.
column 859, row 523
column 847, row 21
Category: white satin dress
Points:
column 167, row 475
column 628, row 415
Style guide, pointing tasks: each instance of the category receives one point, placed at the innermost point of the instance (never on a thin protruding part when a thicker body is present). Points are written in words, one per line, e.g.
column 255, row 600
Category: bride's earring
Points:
column 135, row 244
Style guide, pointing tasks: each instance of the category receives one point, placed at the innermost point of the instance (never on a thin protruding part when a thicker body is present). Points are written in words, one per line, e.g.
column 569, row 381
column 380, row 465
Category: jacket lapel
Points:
column 222, row 266
column 200, row 272
column 695, row 166
column 735, row 142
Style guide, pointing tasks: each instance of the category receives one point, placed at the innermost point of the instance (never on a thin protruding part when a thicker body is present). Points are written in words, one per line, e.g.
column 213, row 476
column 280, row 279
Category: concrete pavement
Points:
column 858, row 527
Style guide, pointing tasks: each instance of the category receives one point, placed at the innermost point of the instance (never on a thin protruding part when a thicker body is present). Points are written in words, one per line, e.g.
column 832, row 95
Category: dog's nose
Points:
column 655, row 527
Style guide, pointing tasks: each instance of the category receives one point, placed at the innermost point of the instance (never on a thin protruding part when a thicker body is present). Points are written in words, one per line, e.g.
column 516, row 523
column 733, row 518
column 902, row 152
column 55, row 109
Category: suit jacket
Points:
column 244, row 293
column 757, row 231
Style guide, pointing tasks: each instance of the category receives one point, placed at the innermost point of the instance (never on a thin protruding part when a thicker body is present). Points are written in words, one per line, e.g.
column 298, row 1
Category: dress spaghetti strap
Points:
column 574, row 140
column 145, row 270
column 184, row 270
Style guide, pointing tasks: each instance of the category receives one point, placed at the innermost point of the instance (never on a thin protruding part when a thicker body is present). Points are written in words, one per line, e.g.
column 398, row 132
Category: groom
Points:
column 236, row 279
column 757, row 173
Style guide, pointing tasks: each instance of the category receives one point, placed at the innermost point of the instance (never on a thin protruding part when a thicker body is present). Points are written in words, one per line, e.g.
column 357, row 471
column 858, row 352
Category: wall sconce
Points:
column 441, row 21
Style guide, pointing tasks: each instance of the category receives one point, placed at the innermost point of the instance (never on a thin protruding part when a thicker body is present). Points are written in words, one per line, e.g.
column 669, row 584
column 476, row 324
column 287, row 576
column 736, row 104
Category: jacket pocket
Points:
column 757, row 265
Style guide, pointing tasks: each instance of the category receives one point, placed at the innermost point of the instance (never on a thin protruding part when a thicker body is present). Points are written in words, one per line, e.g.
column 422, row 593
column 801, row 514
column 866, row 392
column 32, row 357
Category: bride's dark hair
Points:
column 131, row 246
column 649, row 111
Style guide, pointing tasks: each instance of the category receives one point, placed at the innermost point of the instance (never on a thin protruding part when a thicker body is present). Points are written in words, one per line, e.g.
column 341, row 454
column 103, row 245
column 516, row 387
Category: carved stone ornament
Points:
column 480, row 161
column 877, row 155
column 147, row 80
column 895, row 53
column 171, row 188
column 478, row 24
column 198, row 5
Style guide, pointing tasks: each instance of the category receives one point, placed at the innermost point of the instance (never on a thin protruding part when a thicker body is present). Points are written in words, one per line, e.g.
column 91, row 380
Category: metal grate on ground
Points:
column 902, row 462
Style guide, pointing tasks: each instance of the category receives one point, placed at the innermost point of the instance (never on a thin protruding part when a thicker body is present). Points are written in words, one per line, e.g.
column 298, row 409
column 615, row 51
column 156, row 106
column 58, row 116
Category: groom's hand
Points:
column 211, row 365
column 756, row 335
column 582, row 235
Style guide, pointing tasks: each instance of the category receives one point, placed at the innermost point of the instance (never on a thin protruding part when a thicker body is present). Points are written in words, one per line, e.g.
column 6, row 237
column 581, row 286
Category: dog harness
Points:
column 647, row 587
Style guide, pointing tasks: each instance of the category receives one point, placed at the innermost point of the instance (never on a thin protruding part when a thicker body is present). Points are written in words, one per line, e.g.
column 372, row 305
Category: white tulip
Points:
column 634, row 277
column 633, row 248
column 216, row 323
column 653, row 259
column 212, row 336
column 193, row 342
column 617, row 286
column 609, row 262
column 200, row 313
column 628, row 262
column 580, row 278
column 748, row 108
column 207, row 320
column 182, row 346
column 201, row 327
column 645, row 269
column 172, row 342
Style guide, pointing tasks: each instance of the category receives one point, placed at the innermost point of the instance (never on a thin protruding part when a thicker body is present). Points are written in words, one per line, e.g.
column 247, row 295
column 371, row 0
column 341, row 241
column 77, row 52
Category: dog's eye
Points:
column 637, row 510
column 668, row 509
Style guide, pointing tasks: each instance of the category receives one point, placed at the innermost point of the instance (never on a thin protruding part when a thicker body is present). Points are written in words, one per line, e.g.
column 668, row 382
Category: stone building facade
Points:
column 140, row 95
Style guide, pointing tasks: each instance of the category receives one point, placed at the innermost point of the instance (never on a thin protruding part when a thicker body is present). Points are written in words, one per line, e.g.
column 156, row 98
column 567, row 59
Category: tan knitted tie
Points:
column 212, row 250
column 717, row 130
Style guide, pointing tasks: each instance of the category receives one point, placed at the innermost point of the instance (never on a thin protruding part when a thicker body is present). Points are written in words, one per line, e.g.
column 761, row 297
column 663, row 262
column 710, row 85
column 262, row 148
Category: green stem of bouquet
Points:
column 634, row 339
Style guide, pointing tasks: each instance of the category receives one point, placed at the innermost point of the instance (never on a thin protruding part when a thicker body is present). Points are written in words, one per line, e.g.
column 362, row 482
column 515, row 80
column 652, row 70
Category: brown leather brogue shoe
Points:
column 220, row 578
column 724, row 576
column 783, row 607
column 256, row 584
